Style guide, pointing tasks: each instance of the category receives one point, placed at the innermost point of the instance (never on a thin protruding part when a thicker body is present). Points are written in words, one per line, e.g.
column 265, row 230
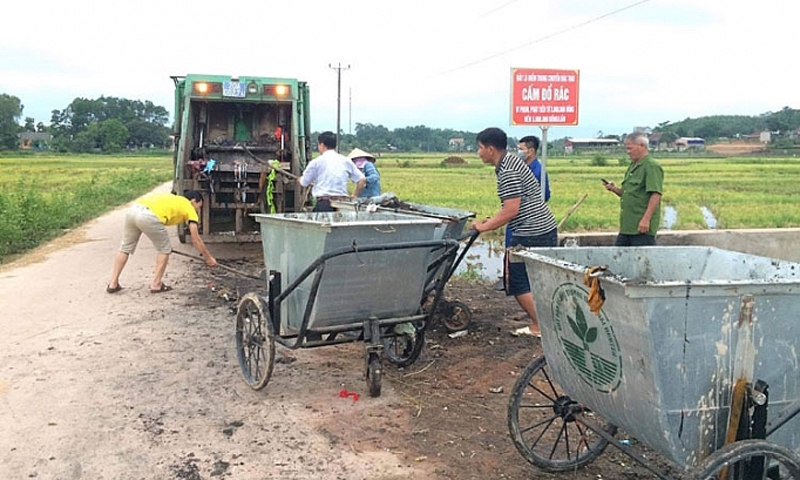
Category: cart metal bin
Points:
column 661, row 357
column 379, row 284
column 452, row 220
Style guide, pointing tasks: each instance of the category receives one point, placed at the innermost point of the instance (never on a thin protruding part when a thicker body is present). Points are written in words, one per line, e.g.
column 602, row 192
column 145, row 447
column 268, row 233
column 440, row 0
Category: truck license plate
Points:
column 233, row 89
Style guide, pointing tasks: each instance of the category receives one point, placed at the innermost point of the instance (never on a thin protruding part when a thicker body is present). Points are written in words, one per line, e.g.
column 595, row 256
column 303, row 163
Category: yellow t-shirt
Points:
column 170, row 209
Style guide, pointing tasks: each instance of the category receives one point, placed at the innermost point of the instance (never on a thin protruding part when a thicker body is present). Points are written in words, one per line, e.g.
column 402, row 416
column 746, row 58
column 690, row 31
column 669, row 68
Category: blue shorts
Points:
column 515, row 277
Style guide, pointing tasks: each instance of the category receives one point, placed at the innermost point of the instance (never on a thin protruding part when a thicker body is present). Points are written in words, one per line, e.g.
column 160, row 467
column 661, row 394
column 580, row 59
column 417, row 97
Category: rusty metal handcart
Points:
column 453, row 314
column 693, row 351
column 338, row 277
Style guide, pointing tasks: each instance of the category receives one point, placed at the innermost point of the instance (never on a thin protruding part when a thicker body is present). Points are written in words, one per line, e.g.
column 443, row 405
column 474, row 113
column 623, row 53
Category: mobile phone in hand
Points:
column 605, row 182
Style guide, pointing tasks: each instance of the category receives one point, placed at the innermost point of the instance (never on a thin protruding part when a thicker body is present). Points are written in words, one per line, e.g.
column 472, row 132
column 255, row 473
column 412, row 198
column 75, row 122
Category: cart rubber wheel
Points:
column 403, row 350
column 255, row 341
column 374, row 374
column 782, row 463
column 181, row 233
column 545, row 424
column 455, row 316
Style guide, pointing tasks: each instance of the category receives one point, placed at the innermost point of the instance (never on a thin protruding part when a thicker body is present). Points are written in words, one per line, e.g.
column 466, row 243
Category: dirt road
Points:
column 141, row 386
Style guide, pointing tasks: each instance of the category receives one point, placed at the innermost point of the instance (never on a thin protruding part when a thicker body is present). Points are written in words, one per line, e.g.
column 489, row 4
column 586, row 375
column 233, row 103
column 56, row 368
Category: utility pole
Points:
column 350, row 114
column 338, row 69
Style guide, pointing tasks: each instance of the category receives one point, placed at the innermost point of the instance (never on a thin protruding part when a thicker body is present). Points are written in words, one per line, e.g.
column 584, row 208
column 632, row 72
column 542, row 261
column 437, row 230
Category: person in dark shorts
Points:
column 523, row 209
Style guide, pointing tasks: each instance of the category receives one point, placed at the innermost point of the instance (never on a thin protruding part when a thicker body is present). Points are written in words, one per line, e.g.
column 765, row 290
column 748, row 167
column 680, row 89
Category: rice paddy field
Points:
column 736, row 192
column 41, row 196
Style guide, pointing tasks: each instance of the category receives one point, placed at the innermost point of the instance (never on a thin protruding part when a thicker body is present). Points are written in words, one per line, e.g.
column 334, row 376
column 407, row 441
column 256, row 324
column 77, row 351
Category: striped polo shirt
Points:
column 515, row 179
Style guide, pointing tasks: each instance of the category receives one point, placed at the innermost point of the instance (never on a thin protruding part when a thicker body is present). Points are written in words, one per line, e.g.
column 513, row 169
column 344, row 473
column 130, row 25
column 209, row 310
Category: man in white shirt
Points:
column 329, row 173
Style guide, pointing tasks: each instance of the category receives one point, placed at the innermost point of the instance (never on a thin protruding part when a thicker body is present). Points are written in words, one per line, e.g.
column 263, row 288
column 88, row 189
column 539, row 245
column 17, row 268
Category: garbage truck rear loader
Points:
column 241, row 141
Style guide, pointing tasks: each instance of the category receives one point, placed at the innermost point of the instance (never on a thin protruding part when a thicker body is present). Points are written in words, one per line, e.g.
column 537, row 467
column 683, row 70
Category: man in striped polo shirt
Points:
column 523, row 209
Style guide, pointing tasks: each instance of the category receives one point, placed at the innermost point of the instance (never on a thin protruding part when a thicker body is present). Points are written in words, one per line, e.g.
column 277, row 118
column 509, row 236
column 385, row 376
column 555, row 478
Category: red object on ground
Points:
column 344, row 394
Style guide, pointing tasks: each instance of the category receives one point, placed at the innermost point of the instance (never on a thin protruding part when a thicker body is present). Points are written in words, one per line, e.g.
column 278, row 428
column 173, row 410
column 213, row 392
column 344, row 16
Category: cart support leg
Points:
column 760, row 401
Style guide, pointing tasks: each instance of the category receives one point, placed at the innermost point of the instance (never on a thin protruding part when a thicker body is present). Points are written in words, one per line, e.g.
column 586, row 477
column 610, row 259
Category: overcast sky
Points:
column 439, row 63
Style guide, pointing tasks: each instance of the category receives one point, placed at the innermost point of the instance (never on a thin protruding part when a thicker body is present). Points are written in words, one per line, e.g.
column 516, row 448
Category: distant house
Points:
column 685, row 143
column 34, row 140
column 655, row 139
column 456, row 144
column 764, row 136
column 589, row 144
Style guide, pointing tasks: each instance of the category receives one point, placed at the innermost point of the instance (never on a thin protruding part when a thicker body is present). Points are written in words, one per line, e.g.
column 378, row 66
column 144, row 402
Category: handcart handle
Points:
column 471, row 234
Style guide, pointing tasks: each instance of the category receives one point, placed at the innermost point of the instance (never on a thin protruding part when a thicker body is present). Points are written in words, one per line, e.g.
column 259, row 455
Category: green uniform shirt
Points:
column 641, row 179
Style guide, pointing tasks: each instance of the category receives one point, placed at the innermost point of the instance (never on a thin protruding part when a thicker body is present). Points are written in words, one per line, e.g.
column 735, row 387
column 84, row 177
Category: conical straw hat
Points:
column 357, row 153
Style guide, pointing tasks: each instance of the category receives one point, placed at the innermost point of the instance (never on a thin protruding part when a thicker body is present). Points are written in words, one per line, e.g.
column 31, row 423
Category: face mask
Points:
column 521, row 154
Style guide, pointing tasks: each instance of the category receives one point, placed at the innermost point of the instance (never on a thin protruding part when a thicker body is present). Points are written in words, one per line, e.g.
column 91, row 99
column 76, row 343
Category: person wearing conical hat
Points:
column 366, row 164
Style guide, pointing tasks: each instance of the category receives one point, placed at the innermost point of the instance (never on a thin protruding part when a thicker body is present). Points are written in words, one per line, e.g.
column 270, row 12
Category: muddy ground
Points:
column 141, row 386
column 446, row 414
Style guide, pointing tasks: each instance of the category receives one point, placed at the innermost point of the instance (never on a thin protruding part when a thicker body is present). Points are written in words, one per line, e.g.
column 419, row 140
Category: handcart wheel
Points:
column 374, row 374
column 545, row 424
column 403, row 350
column 455, row 316
column 255, row 341
column 781, row 463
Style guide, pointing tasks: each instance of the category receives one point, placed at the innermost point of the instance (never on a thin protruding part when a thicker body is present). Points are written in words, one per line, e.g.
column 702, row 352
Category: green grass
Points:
column 41, row 196
column 740, row 192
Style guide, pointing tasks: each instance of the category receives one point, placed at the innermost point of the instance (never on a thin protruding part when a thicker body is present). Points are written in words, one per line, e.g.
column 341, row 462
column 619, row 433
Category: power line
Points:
column 546, row 37
column 499, row 8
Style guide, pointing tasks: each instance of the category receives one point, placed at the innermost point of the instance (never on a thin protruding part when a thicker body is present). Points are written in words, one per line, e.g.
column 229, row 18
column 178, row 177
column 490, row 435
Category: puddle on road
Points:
column 485, row 258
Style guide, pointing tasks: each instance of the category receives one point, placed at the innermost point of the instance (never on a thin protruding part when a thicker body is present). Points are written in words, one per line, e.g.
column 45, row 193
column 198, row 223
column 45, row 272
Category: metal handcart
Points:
column 693, row 351
column 453, row 314
column 338, row 277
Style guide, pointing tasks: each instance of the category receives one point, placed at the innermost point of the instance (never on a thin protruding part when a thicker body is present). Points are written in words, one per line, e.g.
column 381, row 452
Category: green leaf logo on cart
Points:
column 588, row 340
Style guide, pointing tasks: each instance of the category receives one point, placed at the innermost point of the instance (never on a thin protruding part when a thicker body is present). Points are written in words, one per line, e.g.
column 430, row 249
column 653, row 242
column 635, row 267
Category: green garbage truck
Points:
column 242, row 142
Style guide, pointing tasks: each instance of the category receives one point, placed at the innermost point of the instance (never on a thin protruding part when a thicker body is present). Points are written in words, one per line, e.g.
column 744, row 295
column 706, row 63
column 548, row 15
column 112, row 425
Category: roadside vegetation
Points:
column 740, row 192
column 41, row 196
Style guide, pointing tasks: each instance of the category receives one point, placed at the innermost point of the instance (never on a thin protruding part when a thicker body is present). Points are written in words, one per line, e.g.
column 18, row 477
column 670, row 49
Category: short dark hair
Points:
column 493, row 137
column 530, row 141
column 328, row 139
column 193, row 195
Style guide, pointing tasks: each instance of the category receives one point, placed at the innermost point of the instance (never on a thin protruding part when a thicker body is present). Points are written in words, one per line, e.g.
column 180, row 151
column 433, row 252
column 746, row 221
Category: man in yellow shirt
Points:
column 151, row 215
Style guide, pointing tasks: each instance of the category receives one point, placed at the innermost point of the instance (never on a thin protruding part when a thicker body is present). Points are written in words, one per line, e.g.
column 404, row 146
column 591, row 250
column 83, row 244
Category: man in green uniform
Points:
column 639, row 196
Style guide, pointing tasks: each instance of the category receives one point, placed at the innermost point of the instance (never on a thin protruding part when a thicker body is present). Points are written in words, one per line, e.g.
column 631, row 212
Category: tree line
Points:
column 105, row 124
column 783, row 125
column 378, row 138
column 109, row 124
